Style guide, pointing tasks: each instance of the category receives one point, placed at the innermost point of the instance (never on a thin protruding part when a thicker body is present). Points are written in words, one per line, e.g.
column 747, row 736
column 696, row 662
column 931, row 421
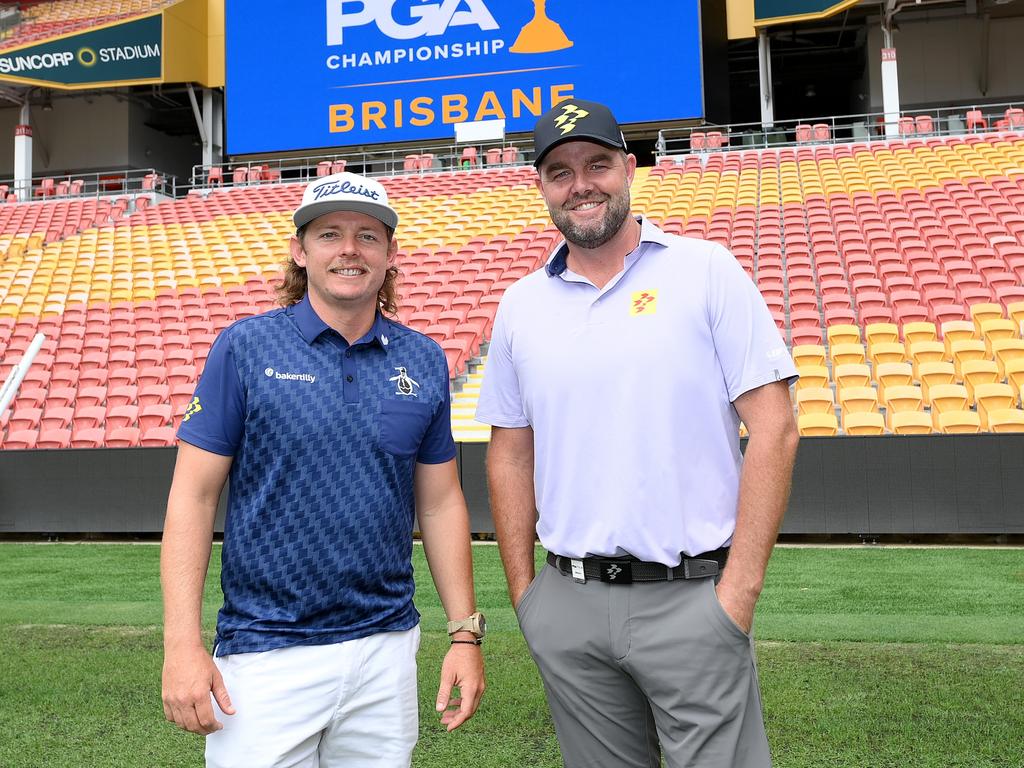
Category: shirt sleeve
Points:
column 501, row 403
column 438, row 445
column 215, row 417
column 749, row 346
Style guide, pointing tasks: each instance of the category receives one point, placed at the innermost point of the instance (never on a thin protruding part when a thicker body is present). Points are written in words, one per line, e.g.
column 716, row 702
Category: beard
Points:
column 595, row 234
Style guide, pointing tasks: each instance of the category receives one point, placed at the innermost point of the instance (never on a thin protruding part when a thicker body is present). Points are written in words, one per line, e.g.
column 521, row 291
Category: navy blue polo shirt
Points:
column 325, row 438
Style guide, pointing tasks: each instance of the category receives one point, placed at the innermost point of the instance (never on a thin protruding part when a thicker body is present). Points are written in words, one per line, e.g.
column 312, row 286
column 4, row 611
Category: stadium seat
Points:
column 934, row 374
column 812, row 377
column 975, row 120
column 887, row 352
column 976, row 373
column 858, row 400
column 817, row 424
column 469, row 158
column 964, row 350
column 843, row 333
column 158, row 436
column 957, row 422
column 338, row 166
column 808, row 354
column 924, row 125
column 844, row 354
column 122, row 437
column 815, row 400
column 1006, row 420
column 698, row 141
column 992, row 397
column 1014, row 118
column 892, row 375
column 851, row 375
column 804, row 133
column 910, row 423
column 54, row 438
column 1006, row 350
column 323, row 168
column 20, row 439
column 88, row 438
column 863, row 423
column 944, row 398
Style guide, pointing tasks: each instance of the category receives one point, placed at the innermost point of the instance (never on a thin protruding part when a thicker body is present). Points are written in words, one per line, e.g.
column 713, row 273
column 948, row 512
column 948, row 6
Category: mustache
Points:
column 573, row 202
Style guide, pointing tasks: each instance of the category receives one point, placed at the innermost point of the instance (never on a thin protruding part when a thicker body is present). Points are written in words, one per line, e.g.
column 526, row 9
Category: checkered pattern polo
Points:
column 325, row 438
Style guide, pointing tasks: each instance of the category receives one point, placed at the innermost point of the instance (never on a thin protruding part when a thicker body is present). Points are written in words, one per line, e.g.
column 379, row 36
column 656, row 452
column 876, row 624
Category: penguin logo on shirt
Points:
column 404, row 385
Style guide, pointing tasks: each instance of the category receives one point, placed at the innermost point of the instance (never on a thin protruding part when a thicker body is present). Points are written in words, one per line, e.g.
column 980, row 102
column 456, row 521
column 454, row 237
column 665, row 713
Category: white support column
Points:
column 890, row 86
column 23, row 156
column 764, row 66
column 213, row 125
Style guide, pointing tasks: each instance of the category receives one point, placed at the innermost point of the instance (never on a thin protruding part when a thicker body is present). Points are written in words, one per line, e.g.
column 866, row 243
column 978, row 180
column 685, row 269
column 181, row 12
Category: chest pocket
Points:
column 403, row 424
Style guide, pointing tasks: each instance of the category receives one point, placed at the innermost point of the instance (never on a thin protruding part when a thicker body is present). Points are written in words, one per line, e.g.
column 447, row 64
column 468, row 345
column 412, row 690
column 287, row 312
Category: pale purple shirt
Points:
column 629, row 392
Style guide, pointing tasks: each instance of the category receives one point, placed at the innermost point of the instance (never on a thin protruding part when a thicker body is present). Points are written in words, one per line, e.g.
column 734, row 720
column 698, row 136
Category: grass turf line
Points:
column 868, row 657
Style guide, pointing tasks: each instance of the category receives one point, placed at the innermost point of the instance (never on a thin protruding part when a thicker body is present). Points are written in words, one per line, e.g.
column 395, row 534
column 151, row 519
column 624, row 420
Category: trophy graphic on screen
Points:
column 541, row 34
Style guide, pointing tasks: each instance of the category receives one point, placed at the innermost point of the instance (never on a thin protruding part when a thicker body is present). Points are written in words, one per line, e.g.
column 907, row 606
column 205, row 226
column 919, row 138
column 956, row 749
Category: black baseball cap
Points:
column 573, row 120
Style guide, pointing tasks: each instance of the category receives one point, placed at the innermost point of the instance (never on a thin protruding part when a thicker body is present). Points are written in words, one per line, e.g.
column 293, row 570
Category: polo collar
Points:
column 311, row 325
column 649, row 233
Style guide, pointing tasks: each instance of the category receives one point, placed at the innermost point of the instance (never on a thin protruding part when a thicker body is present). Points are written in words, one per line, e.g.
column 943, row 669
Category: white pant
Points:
column 350, row 704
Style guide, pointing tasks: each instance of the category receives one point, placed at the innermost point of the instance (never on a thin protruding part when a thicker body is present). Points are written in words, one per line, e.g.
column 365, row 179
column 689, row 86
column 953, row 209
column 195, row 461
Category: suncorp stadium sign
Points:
column 123, row 53
column 367, row 71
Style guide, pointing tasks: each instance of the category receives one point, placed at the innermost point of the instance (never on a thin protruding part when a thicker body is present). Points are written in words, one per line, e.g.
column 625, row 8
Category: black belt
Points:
column 626, row 570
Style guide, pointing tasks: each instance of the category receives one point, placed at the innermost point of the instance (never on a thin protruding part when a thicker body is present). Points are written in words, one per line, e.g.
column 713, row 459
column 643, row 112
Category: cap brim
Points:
column 576, row 137
column 382, row 213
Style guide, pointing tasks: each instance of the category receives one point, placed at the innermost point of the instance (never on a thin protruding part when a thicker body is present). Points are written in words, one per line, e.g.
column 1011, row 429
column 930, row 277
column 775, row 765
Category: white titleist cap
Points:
column 345, row 192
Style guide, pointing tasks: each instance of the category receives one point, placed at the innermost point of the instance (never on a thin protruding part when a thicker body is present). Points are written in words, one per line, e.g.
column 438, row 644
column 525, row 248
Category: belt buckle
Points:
column 616, row 571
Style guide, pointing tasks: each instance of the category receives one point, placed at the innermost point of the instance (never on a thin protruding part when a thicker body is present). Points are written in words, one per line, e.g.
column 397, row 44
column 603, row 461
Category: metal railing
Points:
column 378, row 162
column 98, row 184
column 869, row 126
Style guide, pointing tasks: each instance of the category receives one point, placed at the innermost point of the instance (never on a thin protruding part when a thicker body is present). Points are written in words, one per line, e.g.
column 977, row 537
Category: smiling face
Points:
column 586, row 188
column 345, row 255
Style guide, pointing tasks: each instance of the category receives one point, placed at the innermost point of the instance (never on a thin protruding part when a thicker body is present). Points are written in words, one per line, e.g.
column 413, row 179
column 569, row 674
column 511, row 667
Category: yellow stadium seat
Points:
column 1006, row 420
column 957, row 330
column 1014, row 370
column 1015, row 311
column 947, row 397
column 886, row 352
column 982, row 312
column 815, row 400
column 903, row 398
column 958, row 422
column 1005, row 350
column 863, row 423
column 812, row 376
column 892, row 375
column 844, row 354
column 843, row 333
column 926, row 352
column 964, row 350
column 977, row 372
column 808, row 354
column 993, row 397
column 910, row 423
column 817, row 424
column 998, row 329
column 879, row 333
column 852, row 375
column 858, row 400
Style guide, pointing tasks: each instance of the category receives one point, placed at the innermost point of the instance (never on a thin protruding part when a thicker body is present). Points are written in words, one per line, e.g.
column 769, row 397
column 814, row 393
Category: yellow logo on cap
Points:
column 570, row 114
column 643, row 303
column 193, row 408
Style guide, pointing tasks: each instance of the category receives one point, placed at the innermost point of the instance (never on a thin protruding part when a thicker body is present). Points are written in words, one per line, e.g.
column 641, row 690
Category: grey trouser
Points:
column 626, row 667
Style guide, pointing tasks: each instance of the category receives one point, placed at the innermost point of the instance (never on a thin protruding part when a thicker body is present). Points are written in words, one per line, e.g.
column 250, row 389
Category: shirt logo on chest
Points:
column 403, row 384
column 643, row 302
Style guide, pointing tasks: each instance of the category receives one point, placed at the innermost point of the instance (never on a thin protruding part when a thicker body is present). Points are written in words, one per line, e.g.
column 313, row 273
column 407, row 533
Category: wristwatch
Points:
column 475, row 624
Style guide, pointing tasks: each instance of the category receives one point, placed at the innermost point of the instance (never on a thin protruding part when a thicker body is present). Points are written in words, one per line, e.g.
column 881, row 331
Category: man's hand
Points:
column 188, row 678
column 738, row 603
column 463, row 667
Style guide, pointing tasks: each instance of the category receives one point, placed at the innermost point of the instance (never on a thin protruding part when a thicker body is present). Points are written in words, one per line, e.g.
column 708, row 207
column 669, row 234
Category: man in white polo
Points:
column 332, row 423
column 616, row 380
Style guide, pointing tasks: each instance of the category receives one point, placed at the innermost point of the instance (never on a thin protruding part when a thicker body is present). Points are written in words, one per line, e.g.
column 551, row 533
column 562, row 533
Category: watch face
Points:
column 483, row 625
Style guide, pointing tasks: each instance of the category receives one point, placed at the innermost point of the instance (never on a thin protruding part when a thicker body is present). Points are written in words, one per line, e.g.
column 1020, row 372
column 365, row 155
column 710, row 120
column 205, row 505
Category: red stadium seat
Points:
column 122, row 437
column 88, row 438
column 804, row 133
column 54, row 438
column 20, row 439
column 1014, row 118
column 158, row 436
column 975, row 119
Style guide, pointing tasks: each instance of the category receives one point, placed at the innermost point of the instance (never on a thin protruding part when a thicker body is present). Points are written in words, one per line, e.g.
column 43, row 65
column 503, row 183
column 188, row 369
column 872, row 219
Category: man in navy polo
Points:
column 333, row 424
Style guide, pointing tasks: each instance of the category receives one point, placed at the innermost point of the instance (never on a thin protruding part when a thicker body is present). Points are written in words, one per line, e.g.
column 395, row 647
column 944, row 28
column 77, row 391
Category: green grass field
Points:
column 869, row 658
